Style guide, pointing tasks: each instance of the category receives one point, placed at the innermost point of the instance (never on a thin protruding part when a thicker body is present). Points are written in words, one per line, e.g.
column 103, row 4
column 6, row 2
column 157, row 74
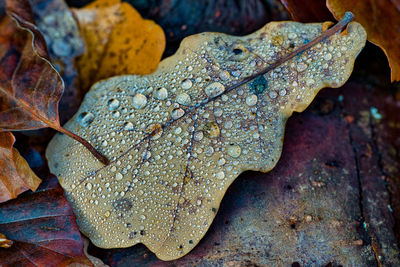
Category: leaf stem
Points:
column 346, row 19
column 93, row 150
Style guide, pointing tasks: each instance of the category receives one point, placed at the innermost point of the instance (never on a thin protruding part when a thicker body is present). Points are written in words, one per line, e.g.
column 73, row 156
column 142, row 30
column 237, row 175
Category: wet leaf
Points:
column 179, row 137
column 118, row 41
column 43, row 230
column 16, row 176
column 381, row 19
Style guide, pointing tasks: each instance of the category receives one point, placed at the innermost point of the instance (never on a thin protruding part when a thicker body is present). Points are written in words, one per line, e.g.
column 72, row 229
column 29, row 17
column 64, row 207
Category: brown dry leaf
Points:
column 118, row 41
column 179, row 137
column 381, row 19
column 16, row 176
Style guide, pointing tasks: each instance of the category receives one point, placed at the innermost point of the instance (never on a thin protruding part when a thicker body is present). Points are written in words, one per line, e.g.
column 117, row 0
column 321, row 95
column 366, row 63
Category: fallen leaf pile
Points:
column 179, row 137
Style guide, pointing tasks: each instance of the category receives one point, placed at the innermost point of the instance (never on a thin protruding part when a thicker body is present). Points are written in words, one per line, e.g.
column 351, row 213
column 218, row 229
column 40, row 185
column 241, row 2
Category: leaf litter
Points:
column 179, row 137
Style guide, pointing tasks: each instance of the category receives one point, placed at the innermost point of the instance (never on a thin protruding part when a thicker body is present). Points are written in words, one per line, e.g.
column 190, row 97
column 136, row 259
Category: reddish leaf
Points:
column 30, row 87
column 43, row 229
column 308, row 10
column 16, row 176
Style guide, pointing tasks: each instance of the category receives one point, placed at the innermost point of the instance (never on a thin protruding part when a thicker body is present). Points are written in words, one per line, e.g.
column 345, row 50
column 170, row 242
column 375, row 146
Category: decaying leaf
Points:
column 42, row 228
column 178, row 138
column 15, row 174
column 381, row 19
column 118, row 41
column 30, row 87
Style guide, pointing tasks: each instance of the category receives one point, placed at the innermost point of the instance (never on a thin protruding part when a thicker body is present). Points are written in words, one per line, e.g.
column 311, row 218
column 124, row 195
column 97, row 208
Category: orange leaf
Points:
column 381, row 20
column 16, row 176
column 118, row 41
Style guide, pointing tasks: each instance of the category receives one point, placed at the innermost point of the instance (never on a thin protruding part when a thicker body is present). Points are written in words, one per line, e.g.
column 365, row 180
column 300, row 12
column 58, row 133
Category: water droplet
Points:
column 128, row 126
column 186, row 84
column 272, row 94
column 104, row 143
column 228, row 124
column 328, row 56
column 221, row 161
column 178, row 130
column 161, row 93
column 301, row 67
column 142, row 217
column 85, row 118
column 220, row 175
column 183, row 99
column 217, row 112
column 214, row 89
column 292, row 35
column 209, row 151
column 198, row 135
column 234, row 150
column 310, row 81
column 113, row 104
column 211, row 130
column 107, row 214
column 154, row 130
column 139, row 101
column 177, row 113
column 113, row 169
column 116, row 114
column 251, row 100
column 224, row 75
column 118, row 176
column 282, row 92
column 88, row 186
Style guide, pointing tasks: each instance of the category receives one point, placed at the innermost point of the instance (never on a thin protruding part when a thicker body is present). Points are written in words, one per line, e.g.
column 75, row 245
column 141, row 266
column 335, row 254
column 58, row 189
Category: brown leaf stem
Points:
column 347, row 18
column 92, row 150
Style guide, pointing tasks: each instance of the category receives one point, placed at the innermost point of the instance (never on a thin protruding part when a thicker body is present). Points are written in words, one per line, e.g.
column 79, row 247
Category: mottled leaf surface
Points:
column 178, row 138
column 15, row 176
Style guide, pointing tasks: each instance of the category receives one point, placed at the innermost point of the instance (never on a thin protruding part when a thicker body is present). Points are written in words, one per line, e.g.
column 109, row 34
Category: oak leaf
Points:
column 16, row 176
column 43, row 230
column 179, row 137
column 118, row 41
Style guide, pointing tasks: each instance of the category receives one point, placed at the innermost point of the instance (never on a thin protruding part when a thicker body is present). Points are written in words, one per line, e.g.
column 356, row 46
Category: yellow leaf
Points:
column 179, row 137
column 118, row 41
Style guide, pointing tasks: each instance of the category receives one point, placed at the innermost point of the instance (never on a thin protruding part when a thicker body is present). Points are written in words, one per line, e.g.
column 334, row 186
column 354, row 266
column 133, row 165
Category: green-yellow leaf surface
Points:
column 179, row 137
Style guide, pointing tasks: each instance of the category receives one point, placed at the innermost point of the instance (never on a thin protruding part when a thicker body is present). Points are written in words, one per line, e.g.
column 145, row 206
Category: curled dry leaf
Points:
column 30, row 87
column 118, row 41
column 381, row 20
column 15, row 176
column 180, row 136
column 43, row 230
